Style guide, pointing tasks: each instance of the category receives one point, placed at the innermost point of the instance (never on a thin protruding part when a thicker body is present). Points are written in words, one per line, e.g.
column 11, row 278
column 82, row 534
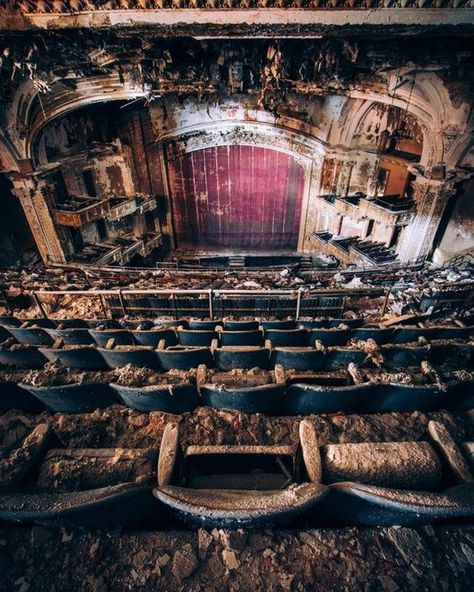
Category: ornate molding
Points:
column 307, row 18
column 77, row 6
column 302, row 147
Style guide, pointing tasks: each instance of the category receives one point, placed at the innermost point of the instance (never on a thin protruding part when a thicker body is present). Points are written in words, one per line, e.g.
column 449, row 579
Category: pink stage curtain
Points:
column 243, row 197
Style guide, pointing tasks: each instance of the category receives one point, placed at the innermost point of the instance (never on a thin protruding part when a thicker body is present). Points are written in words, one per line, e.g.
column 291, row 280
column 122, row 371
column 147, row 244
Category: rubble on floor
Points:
column 386, row 559
column 120, row 427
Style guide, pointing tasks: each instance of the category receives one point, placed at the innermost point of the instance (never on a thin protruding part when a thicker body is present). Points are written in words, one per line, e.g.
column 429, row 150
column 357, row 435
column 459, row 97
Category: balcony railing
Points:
column 373, row 253
column 77, row 211
column 150, row 244
column 126, row 206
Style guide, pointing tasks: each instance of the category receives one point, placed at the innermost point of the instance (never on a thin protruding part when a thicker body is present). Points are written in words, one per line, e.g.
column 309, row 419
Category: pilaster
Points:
column 33, row 195
column 431, row 197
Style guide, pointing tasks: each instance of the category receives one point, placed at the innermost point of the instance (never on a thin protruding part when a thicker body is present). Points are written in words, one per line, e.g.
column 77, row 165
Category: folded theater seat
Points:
column 450, row 332
column 120, row 336
column 171, row 396
column 228, row 357
column 325, row 392
column 239, row 486
column 30, row 335
column 330, row 337
column 77, row 357
column 83, row 397
column 252, row 391
column 22, row 356
column 460, row 354
column 399, row 356
column 287, row 337
column 182, row 357
column 316, row 358
column 356, row 390
column 196, row 338
column 241, row 338
column 118, row 356
column 152, row 337
column 371, row 483
column 411, row 334
column 71, row 336
column 301, row 358
column 404, row 483
column 241, row 325
column 84, row 487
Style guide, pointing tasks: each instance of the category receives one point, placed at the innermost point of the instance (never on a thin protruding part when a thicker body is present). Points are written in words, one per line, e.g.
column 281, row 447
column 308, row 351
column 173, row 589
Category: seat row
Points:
column 226, row 358
column 300, row 337
column 391, row 483
column 275, row 393
column 195, row 324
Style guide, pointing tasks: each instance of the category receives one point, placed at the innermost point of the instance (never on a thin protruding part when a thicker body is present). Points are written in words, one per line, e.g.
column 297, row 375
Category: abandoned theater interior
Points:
column 236, row 295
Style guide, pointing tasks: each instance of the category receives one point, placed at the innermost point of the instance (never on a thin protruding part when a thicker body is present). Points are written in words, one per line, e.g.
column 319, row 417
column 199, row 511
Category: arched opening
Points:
column 17, row 245
column 400, row 145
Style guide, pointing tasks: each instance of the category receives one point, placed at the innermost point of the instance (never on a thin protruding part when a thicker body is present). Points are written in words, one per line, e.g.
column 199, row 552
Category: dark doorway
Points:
column 16, row 240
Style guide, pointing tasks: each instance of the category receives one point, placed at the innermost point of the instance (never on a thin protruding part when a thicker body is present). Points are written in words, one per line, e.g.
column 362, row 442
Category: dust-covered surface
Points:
column 54, row 374
column 120, row 427
column 45, row 558
column 387, row 559
column 408, row 286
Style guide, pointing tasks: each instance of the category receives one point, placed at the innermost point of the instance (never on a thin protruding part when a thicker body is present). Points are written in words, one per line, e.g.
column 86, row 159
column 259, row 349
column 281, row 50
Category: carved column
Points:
column 309, row 211
column 431, row 198
column 345, row 177
column 33, row 195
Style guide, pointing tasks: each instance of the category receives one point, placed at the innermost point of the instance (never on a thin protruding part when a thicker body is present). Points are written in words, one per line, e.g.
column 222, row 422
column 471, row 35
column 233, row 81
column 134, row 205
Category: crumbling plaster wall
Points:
column 458, row 237
column 88, row 140
column 346, row 156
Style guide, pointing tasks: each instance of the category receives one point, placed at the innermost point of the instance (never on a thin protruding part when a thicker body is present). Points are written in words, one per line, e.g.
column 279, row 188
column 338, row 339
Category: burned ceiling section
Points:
column 40, row 70
column 217, row 68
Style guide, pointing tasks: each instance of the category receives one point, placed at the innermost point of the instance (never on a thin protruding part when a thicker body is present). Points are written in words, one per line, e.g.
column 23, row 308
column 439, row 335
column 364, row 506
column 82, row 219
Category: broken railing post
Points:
column 211, row 305
column 122, row 302
column 385, row 302
column 298, row 303
column 39, row 304
column 104, row 308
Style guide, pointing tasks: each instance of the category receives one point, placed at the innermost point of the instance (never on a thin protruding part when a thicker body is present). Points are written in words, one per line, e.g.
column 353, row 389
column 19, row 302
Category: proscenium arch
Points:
column 229, row 132
column 307, row 150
